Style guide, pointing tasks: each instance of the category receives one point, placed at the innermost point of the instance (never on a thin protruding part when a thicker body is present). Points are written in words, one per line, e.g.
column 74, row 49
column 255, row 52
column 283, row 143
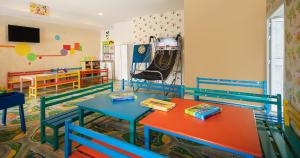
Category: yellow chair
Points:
column 42, row 81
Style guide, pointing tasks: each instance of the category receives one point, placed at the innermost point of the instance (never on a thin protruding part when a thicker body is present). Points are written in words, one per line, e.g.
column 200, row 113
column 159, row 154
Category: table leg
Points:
column 22, row 118
column 132, row 131
column 147, row 138
column 81, row 117
column 4, row 117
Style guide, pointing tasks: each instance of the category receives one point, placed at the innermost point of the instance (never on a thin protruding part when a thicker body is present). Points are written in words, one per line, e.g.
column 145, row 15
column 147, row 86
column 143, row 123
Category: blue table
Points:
column 126, row 110
column 9, row 100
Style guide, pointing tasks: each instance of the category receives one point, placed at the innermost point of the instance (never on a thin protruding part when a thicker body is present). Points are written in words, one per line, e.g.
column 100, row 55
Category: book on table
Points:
column 202, row 111
column 158, row 104
column 122, row 96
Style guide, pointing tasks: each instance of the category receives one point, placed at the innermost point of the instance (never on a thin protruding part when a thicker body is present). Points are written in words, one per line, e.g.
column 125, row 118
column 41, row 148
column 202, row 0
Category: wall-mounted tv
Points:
column 23, row 34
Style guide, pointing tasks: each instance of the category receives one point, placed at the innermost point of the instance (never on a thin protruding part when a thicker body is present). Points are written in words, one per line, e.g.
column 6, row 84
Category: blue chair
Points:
column 101, row 145
column 8, row 100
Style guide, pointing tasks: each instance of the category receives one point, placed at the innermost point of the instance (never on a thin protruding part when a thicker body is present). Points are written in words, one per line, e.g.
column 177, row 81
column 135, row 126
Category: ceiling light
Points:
column 100, row 14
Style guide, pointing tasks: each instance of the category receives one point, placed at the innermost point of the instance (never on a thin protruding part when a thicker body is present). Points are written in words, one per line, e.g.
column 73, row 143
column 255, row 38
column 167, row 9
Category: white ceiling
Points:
column 84, row 13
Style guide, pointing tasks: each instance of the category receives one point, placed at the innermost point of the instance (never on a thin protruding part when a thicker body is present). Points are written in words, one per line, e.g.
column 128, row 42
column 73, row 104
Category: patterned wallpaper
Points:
column 292, row 52
column 166, row 24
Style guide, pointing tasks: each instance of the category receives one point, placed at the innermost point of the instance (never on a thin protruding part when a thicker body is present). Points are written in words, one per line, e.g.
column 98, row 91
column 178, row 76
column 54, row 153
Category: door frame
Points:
column 277, row 14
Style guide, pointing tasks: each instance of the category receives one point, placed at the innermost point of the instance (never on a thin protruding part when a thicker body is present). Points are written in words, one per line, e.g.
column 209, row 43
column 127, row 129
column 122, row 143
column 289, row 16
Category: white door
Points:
column 118, row 62
column 124, row 62
column 276, row 56
column 121, row 62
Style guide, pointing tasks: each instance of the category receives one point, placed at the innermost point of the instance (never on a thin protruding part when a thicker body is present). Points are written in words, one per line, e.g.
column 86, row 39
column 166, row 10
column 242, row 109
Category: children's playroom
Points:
column 149, row 78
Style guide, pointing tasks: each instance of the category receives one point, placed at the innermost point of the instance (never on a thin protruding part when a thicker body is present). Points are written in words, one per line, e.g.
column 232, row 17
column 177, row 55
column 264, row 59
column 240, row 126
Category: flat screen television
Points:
column 23, row 34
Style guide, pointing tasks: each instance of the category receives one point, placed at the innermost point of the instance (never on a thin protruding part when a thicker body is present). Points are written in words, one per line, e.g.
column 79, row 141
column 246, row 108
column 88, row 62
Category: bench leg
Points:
column 4, row 117
column 81, row 117
column 43, row 133
column 55, row 139
column 22, row 118
column 132, row 131
column 68, row 142
column 147, row 138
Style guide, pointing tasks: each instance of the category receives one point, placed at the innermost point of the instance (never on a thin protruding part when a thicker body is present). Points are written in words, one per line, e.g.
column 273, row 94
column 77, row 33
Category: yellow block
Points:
column 72, row 51
column 23, row 49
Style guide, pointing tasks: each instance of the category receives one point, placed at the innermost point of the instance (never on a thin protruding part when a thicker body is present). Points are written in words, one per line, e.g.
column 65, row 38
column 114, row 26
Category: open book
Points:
column 202, row 111
column 158, row 104
column 122, row 96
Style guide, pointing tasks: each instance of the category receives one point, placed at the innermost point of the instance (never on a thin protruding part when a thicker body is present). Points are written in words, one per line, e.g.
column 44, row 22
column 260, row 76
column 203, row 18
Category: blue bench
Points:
column 98, row 145
column 225, row 84
column 177, row 90
column 58, row 120
column 276, row 140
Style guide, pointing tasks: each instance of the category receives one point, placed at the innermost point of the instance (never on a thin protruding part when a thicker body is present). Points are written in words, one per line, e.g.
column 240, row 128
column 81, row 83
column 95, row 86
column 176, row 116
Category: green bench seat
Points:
column 57, row 121
column 274, row 141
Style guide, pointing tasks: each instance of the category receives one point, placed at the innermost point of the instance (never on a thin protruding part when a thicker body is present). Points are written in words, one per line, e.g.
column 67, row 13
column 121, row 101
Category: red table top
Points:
column 233, row 128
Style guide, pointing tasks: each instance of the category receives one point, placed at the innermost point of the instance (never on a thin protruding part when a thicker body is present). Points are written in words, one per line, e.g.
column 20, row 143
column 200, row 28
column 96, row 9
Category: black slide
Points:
column 161, row 66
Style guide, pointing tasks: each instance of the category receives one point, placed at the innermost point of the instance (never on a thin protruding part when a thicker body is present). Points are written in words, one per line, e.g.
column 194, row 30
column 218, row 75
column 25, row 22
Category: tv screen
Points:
column 23, row 34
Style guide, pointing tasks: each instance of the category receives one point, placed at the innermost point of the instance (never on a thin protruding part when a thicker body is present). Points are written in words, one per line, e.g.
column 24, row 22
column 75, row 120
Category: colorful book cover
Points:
column 202, row 111
column 122, row 96
column 158, row 104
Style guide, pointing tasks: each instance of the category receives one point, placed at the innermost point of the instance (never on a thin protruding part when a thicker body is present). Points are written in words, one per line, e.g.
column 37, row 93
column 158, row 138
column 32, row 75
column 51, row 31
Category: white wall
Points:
column 120, row 33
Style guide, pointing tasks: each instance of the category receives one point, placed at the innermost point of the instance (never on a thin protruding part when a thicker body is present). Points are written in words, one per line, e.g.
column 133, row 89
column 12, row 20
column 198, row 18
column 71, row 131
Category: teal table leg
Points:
column 81, row 117
column 147, row 138
column 55, row 141
column 22, row 118
column 4, row 111
column 132, row 131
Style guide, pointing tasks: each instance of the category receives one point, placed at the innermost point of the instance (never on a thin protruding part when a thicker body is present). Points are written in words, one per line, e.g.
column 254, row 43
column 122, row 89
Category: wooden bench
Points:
column 96, row 76
column 53, row 80
column 14, row 77
column 98, row 145
column 67, row 69
column 57, row 121
column 276, row 140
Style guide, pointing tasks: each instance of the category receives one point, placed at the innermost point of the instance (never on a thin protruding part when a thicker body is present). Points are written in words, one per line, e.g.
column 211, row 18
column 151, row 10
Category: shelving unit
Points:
column 108, row 51
column 109, row 57
column 90, row 65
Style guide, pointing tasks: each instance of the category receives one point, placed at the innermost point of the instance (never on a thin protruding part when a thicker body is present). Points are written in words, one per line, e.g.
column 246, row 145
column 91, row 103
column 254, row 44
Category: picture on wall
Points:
column 38, row 9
